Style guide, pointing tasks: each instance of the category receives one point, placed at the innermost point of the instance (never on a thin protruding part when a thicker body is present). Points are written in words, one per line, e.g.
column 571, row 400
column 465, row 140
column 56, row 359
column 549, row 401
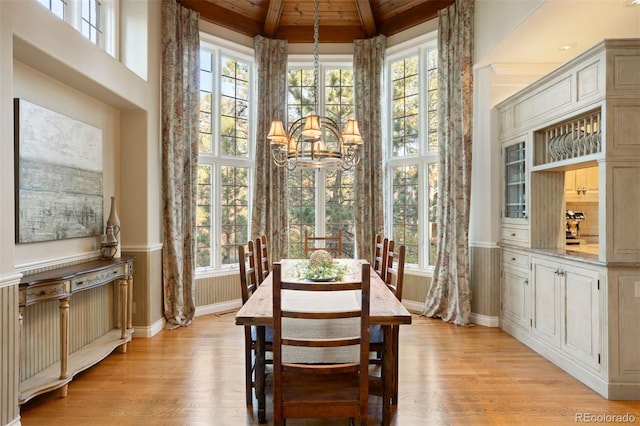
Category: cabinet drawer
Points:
column 518, row 235
column 43, row 292
column 97, row 278
column 511, row 258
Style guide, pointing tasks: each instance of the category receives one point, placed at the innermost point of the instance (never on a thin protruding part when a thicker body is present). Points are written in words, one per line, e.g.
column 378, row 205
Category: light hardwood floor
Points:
column 449, row 375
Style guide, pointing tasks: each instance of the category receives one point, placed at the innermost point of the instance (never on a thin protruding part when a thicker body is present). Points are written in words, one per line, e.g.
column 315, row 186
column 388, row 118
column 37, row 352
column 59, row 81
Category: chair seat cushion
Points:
column 375, row 334
column 268, row 334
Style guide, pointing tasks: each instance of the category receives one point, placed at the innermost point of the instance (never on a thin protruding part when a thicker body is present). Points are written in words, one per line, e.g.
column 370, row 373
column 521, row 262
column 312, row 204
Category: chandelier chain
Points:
column 314, row 141
column 316, row 54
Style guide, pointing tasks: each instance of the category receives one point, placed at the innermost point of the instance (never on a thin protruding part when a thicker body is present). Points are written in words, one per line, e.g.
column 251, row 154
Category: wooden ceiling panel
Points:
column 341, row 21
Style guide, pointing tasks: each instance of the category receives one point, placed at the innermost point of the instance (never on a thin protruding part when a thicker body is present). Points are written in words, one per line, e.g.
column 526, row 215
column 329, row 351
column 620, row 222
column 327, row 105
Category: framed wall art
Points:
column 58, row 175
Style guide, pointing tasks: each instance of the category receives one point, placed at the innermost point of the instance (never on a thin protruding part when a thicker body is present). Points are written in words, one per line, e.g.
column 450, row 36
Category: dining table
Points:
column 385, row 310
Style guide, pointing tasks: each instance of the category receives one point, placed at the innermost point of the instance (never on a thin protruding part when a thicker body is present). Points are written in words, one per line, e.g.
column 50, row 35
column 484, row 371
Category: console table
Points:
column 60, row 284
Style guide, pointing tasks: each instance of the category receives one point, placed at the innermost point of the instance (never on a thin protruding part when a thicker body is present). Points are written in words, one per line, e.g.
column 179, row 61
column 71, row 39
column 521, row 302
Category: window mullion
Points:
column 321, row 198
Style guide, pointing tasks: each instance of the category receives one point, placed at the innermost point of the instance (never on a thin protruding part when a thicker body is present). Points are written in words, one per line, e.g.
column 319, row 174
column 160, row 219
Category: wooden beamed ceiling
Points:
column 341, row 21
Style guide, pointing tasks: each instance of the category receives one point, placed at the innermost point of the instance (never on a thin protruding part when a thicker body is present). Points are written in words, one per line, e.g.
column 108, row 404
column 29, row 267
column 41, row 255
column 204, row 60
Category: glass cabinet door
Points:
column 515, row 181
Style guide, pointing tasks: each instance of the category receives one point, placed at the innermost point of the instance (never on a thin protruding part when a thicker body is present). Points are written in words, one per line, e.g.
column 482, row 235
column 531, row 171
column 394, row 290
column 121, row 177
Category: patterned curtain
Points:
column 368, row 62
column 449, row 295
column 180, row 118
column 270, row 212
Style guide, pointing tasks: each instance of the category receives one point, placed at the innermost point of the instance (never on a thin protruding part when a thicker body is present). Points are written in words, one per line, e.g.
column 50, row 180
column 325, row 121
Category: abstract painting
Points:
column 58, row 174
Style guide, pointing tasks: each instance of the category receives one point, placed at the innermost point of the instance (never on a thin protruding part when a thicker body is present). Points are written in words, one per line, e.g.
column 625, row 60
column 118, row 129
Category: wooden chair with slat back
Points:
column 305, row 387
column 262, row 258
column 394, row 278
column 248, row 285
column 380, row 255
column 332, row 244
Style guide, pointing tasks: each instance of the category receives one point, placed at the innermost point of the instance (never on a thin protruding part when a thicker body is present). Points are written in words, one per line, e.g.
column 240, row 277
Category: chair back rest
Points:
column 332, row 243
column 262, row 257
column 248, row 278
column 298, row 335
column 395, row 268
column 380, row 255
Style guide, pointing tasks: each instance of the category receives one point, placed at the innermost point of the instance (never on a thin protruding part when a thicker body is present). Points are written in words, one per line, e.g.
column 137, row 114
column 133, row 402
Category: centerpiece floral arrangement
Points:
column 320, row 267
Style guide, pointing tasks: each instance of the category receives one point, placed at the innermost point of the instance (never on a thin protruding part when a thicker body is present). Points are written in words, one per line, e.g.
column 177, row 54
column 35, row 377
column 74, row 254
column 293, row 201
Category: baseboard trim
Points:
column 413, row 306
column 218, row 308
column 148, row 332
column 417, row 307
column 484, row 320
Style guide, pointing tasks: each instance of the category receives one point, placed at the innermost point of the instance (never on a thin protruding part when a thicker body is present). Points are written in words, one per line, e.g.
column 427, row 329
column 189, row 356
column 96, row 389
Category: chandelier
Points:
column 315, row 141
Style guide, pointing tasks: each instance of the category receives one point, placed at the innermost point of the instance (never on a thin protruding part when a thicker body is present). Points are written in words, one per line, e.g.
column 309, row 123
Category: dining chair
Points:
column 333, row 383
column 262, row 259
column 248, row 285
column 380, row 255
column 394, row 278
column 332, row 243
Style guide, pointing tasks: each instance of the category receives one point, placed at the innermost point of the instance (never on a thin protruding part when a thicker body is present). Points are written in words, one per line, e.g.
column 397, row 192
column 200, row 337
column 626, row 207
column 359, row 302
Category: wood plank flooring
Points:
column 449, row 375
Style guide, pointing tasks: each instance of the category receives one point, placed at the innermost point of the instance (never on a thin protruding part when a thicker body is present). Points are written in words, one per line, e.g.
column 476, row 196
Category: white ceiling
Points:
column 541, row 27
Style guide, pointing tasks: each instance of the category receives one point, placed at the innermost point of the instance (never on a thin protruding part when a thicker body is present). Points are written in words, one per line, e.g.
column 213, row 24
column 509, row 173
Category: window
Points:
column 225, row 170
column 321, row 200
column 412, row 150
column 58, row 7
column 90, row 23
column 95, row 19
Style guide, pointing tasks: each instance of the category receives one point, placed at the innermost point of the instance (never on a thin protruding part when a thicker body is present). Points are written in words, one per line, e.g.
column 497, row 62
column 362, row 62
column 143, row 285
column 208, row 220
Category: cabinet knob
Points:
column 513, row 234
column 513, row 259
column 526, row 282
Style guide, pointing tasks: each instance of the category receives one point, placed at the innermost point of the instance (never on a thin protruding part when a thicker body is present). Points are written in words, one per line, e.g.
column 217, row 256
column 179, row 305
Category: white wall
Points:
column 80, row 80
column 45, row 91
column 46, row 61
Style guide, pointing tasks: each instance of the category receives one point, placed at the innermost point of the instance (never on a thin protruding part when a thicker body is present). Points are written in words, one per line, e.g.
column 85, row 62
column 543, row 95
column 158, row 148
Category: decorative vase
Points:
column 113, row 227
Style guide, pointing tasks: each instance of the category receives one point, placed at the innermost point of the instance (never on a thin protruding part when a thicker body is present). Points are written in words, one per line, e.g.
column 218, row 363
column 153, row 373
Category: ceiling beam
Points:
column 366, row 17
column 414, row 16
column 328, row 33
column 215, row 14
column 273, row 17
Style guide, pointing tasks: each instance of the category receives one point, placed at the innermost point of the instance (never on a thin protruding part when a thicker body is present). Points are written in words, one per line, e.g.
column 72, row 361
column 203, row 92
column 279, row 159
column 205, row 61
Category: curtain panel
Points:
column 368, row 63
column 180, row 122
column 449, row 294
column 270, row 211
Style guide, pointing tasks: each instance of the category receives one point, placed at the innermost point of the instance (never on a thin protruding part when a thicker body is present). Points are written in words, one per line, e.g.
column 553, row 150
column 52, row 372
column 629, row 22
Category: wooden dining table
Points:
column 385, row 310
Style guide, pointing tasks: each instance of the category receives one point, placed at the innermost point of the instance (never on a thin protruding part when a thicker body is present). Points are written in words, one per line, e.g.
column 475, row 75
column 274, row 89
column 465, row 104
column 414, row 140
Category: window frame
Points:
column 220, row 48
column 419, row 46
column 107, row 23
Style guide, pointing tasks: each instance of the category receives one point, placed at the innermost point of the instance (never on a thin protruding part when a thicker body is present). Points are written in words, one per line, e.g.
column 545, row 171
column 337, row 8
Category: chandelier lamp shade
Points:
column 315, row 141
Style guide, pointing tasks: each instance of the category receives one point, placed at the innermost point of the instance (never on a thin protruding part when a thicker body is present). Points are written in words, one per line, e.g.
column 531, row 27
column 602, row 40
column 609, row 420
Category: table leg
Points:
column 396, row 345
column 388, row 369
column 260, row 373
column 123, row 311
column 64, row 337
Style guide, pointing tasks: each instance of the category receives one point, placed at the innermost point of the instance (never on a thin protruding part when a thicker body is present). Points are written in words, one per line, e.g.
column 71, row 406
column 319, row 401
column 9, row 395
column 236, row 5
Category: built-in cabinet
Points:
column 515, row 217
column 581, row 185
column 571, row 137
column 567, row 303
column 516, row 295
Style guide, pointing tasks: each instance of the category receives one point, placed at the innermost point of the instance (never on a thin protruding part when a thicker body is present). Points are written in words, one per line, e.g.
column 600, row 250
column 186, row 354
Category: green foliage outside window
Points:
column 333, row 186
column 230, row 111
